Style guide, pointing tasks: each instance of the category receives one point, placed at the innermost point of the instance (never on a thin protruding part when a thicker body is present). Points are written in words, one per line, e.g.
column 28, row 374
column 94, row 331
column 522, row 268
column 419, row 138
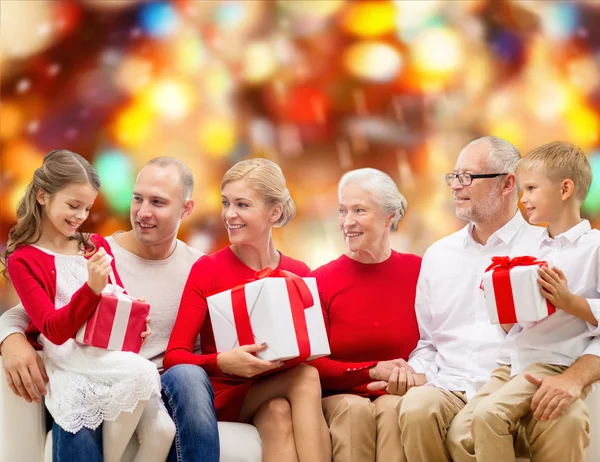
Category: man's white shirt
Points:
column 458, row 347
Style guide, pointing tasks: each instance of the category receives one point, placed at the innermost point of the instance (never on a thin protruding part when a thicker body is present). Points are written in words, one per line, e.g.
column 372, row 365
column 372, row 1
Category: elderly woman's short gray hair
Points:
column 382, row 187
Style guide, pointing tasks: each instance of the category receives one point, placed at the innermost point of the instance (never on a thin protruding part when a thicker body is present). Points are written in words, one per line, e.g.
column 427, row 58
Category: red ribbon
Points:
column 300, row 299
column 505, row 303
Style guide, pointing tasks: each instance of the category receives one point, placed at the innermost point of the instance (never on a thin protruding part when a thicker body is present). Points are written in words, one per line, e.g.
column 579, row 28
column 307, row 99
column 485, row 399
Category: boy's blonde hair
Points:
column 560, row 161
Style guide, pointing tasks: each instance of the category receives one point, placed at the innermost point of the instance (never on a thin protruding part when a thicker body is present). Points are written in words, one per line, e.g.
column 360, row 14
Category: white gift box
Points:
column 512, row 293
column 270, row 315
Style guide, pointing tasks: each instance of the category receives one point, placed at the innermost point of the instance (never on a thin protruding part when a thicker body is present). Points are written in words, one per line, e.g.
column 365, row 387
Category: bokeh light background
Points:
column 319, row 86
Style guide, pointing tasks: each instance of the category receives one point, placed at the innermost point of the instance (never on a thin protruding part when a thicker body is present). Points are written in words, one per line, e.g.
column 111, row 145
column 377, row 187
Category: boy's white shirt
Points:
column 561, row 338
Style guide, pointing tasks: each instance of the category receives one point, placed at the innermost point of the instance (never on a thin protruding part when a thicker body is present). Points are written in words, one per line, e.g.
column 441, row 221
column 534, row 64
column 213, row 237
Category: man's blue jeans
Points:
column 189, row 399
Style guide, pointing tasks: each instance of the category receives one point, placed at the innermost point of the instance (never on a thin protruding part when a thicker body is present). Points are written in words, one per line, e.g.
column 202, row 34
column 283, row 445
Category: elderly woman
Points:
column 368, row 297
column 285, row 406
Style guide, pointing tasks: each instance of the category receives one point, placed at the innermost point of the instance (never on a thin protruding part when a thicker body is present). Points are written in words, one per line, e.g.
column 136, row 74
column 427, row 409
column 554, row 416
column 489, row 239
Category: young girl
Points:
column 59, row 284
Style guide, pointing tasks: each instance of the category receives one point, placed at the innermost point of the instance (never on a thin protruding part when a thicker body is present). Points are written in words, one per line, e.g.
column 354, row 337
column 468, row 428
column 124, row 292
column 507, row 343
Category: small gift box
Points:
column 512, row 292
column 117, row 323
column 279, row 308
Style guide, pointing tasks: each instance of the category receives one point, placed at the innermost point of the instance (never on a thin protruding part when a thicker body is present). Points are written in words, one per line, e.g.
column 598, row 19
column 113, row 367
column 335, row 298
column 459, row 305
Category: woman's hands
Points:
column 240, row 361
column 401, row 380
column 98, row 270
column 383, row 369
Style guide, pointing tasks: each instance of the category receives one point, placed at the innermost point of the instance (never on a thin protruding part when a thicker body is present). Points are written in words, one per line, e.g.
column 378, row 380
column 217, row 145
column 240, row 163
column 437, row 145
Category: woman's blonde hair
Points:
column 266, row 178
column 59, row 169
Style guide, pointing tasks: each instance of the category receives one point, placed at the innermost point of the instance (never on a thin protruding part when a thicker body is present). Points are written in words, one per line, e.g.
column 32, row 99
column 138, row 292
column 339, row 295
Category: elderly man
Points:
column 153, row 264
column 458, row 346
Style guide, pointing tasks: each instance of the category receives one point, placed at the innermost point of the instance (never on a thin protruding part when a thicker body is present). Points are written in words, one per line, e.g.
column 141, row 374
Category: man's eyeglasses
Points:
column 465, row 179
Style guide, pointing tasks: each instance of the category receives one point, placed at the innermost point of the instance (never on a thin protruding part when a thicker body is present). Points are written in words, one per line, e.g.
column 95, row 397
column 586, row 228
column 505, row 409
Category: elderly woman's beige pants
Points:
column 363, row 430
column 367, row 431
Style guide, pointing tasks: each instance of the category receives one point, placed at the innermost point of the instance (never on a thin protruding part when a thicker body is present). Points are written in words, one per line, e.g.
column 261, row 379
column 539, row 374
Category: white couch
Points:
column 23, row 436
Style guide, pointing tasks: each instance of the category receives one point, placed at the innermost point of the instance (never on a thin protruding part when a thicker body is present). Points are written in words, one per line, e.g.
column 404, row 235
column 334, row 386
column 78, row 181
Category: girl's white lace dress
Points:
column 88, row 385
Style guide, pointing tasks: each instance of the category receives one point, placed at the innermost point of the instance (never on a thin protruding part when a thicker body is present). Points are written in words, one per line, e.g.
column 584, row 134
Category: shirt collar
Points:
column 569, row 236
column 505, row 234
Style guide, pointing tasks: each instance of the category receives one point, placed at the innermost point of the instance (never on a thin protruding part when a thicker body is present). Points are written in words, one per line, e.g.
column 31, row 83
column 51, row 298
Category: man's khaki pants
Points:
column 392, row 428
column 486, row 429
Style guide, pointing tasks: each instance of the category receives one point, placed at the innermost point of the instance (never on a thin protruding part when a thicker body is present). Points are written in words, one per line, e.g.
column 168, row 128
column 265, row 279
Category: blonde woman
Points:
column 284, row 406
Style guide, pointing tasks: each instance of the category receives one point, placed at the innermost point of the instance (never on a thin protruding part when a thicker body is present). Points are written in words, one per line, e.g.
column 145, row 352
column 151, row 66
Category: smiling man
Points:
column 458, row 346
column 153, row 264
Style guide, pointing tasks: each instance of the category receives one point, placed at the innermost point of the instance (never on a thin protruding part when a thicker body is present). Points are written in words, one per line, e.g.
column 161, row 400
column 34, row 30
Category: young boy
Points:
column 555, row 179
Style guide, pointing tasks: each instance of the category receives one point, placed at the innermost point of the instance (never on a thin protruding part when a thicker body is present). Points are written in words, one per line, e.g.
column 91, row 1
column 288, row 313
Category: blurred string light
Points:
column 116, row 174
column 217, row 84
column 158, row 19
column 110, row 4
column 304, row 18
column 374, row 61
column 12, row 120
column 133, row 74
column 259, row 62
column 16, row 194
column 583, row 125
column 508, row 46
column 436, row 55
column 229, row 14
column 412, row 17
column 217, row 137
column 20, row 159
column 26, row 28
column 508, row 129
column 322, row 9
column 133, row 125
column 591, row 205
column 171, row 99
column 189, row 55
column 369, row 19
column 584, row 74
column 304, row 104
column 560, row 19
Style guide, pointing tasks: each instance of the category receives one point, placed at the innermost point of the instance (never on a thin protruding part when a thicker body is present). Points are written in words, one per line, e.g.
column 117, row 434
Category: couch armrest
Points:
column 592, row 453
column 22, row 426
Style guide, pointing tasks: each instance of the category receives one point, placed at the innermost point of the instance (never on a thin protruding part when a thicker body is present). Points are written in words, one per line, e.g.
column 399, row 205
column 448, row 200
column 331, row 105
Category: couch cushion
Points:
column 239, row 443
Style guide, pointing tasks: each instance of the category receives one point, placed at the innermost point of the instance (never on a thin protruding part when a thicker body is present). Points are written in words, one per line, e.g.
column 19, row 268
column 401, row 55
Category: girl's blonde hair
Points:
column 59, row 169
column 266, row 178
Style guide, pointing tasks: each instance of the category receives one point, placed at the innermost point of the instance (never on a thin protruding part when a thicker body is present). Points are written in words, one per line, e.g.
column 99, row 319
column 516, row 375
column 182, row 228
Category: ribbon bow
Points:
column 508, row 263
column 300, row 298
column 113, row 289
column 505, row 304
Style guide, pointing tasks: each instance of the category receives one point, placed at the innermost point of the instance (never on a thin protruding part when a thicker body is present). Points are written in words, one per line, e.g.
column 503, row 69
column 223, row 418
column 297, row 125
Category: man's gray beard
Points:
column 484, row 212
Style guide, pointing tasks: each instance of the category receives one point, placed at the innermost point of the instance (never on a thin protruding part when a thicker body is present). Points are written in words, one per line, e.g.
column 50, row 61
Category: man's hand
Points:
column 383, row 369
column 23, row 367
column 555, row 394
column 401, row 380
column 148, row 332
